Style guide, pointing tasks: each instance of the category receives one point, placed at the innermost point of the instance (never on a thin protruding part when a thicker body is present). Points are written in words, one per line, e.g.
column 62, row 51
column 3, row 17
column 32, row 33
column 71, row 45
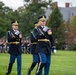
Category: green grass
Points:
column 62, row 63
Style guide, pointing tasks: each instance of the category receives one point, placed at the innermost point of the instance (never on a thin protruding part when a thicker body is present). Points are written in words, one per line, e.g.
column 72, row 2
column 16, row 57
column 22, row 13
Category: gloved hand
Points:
column 54, row 51
column 45, row 29
column 17, row 32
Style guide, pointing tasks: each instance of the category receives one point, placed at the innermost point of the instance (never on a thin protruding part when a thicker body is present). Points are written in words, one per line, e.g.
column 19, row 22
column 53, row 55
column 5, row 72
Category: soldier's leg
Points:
column 40, row 73
column 35, row 61
column 40, row 70
column 12, row 60
column 42, row 63
column 47, row 66
column 19, row 62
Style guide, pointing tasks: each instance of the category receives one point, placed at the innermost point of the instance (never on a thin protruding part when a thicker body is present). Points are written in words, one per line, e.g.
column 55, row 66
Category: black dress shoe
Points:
column 7, row 74
column 29, row 72
column 36, row 73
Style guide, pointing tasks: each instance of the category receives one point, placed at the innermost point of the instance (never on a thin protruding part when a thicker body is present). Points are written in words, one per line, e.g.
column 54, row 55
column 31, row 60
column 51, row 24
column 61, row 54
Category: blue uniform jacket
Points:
column 42, row 46
column 14, row 49
column 33, row 42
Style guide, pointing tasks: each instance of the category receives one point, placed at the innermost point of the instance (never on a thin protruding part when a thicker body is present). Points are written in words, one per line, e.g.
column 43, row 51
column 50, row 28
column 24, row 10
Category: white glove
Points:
column 17, row 32
column 54, row 50
column 45, row 28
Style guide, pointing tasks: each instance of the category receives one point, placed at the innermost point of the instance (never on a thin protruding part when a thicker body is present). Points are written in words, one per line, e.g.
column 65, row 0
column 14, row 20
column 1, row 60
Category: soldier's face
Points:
column 15, row 27
column 42, row 23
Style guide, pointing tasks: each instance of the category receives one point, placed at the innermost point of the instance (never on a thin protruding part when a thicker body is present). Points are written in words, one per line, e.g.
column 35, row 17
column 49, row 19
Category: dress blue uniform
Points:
column 15, row 51
column 43, row 48
column 33, row 46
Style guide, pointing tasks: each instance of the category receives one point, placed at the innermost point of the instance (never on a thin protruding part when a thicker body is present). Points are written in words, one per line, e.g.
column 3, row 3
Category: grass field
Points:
column 63, row 63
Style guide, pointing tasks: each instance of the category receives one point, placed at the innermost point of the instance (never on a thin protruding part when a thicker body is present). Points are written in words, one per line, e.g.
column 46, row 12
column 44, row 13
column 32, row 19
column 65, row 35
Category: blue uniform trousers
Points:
column 35, row 61
column 44, row 62
column 47, row 65
column 12, row 60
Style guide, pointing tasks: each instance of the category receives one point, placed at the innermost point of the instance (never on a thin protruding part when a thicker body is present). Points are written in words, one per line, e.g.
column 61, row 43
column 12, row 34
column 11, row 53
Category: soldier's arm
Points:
column 11, row 37
column 52, row 41
column 39, row 33
column 32, row 37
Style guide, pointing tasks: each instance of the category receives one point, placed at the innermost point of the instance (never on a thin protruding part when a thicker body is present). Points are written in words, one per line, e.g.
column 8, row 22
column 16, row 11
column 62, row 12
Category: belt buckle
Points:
column 46, row 40
column 16, row 42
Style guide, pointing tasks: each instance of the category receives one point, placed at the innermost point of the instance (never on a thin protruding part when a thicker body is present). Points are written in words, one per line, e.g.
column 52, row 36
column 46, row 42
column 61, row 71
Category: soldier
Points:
column 33, row 45
column 14, row 39
column 44, row 46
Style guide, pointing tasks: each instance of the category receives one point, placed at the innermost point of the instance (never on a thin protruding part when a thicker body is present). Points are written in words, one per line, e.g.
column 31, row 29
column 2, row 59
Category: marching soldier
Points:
column 44, row 46
column 14, row 39
column 33, row 45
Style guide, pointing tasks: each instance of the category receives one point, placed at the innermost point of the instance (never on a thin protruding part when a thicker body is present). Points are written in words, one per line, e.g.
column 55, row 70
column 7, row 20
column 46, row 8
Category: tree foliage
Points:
column 26, row 16
column 73, row 20
column 73, row 23
column 55, row 21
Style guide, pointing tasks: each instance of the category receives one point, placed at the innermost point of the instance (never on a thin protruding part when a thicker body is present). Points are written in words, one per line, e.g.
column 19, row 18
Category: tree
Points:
column 30, row 15
column 73, row 23
column 4, row 19
column 55, row 21
column 35, row 1
column 72, row 32
column 26, row 16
